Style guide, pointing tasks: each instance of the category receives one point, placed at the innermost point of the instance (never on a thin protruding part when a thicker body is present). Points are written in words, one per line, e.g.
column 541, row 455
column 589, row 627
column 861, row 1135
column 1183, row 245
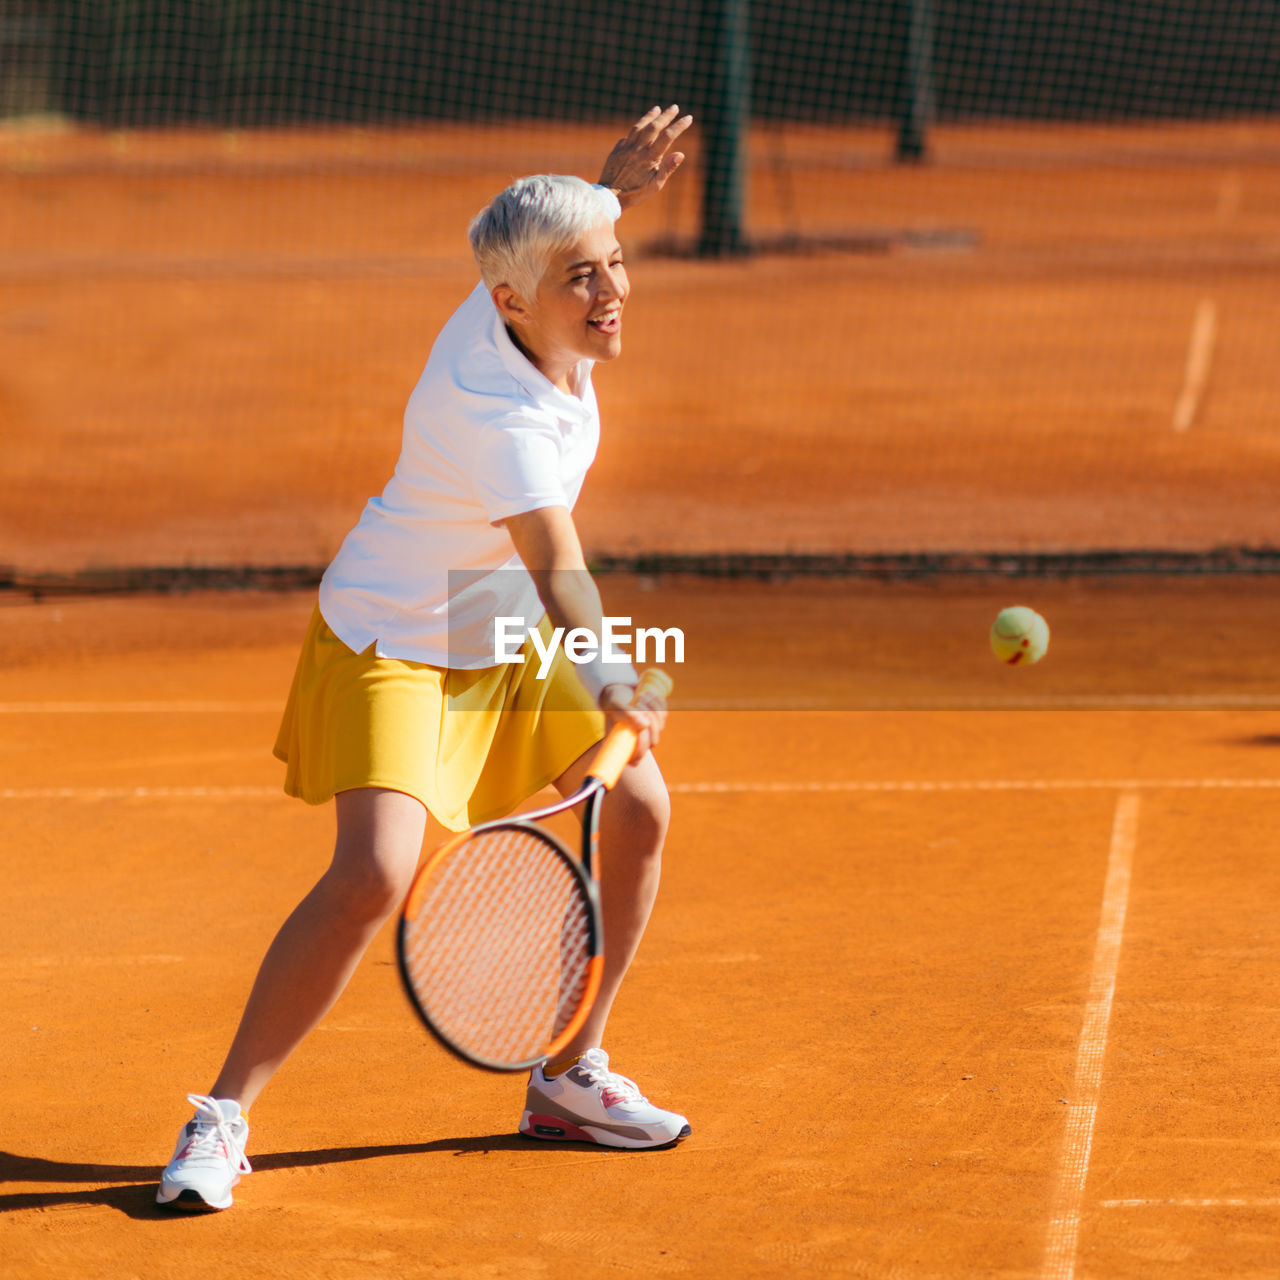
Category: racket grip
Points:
column 616, row 749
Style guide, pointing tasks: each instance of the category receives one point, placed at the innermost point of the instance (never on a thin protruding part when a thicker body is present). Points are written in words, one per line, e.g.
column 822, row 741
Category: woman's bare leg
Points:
column 633, row 826
column 306, row 968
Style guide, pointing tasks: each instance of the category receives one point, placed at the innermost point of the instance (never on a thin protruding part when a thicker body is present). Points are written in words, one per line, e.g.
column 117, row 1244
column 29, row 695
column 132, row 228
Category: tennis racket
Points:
column 500, row 943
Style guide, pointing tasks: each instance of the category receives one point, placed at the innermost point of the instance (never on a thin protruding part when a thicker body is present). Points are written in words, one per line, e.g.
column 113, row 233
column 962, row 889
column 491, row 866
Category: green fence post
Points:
column 724, row 129
column 917, row 93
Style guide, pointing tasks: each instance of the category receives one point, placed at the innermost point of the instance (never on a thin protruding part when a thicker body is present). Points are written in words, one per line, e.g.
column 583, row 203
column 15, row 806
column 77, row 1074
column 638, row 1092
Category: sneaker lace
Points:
column 212, row 1130
column 625, row 1089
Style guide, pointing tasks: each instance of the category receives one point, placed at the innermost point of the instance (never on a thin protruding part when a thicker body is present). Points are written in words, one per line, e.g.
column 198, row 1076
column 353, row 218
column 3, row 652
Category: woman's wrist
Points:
column 597, row 676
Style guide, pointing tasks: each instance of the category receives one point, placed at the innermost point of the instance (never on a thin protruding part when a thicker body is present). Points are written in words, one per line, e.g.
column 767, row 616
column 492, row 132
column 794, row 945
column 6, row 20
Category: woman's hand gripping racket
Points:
column 500, row 942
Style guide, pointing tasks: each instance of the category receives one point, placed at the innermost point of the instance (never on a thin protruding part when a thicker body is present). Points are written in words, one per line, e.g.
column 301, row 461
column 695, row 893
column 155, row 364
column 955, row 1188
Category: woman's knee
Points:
column 366, row 888
column 641, row 805
column 380, row 837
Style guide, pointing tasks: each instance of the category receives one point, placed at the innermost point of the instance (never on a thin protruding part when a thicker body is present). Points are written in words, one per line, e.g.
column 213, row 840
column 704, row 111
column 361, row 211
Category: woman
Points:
column 398, row 710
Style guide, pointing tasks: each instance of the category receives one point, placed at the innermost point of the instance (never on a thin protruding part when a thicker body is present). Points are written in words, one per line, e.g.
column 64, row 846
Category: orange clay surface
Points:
column 869, row 982
column 208, row 339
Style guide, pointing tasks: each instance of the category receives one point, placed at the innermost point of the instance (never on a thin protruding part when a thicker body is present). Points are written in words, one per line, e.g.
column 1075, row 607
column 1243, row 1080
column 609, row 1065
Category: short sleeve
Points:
column 516, row 468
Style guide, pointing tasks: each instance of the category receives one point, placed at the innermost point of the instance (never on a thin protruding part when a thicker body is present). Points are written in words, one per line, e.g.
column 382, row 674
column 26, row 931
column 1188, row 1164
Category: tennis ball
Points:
column 1019, row 636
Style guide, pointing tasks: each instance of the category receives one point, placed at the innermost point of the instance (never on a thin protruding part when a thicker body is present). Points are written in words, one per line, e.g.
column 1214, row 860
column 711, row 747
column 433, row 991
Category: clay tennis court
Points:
column 957, row 971
column 880, row 978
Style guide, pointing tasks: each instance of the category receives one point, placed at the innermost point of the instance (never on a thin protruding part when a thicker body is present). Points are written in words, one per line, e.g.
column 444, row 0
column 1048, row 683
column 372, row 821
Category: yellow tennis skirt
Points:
column 471, row 745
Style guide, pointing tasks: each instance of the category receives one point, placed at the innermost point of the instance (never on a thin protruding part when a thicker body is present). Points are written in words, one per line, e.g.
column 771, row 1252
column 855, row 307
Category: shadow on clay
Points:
column 138, row 1201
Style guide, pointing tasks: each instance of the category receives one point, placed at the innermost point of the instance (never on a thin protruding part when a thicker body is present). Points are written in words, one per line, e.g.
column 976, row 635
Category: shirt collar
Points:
column 535, row 382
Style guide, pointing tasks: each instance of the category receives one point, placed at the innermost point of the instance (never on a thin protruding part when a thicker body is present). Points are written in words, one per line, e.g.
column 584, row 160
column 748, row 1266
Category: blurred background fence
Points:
column 944, row 285
column 241, row 63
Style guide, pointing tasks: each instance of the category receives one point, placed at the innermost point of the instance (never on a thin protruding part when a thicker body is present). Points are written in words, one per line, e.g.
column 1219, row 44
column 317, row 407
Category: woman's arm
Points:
column 547, row 542
column 640, row 164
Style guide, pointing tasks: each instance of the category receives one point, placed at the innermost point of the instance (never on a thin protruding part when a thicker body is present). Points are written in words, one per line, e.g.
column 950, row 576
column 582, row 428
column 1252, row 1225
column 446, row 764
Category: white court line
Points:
column 137, row 793
column 978, row 784
column 943, row 702
column 1204, row 330
column 1187, row 1203
column 906, row 786
column 132, row 708
column 1063, row 1240
column 21, row 963
column 1046, row 702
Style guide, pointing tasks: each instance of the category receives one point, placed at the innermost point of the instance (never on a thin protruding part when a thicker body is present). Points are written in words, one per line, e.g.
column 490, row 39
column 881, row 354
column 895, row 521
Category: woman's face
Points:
column 577, row 313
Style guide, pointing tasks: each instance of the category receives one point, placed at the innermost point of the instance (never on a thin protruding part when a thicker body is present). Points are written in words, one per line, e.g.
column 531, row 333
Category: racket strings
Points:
column 498, row 947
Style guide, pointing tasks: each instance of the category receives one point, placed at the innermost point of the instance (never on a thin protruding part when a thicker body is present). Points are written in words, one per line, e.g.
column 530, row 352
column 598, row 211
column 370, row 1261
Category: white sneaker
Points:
column 590, row 1103
column 209, row 1157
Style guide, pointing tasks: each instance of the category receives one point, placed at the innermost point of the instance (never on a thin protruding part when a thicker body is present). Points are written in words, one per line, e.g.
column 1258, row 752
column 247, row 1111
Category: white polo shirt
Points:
column 486, row 436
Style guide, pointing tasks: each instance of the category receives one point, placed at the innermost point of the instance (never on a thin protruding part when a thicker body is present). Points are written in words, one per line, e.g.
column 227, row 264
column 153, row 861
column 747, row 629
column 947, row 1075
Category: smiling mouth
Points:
column 607, row 321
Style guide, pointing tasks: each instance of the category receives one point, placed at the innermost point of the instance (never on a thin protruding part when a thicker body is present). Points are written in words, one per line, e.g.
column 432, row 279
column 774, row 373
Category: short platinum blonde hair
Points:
column 516, row 236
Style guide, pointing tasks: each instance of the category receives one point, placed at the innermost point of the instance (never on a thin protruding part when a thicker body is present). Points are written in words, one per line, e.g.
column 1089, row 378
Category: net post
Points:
column 724, row 128
column 917, row 88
